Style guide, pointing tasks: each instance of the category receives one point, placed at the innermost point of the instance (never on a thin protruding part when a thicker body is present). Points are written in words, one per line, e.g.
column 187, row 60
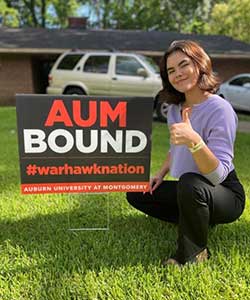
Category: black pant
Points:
column 194, row 203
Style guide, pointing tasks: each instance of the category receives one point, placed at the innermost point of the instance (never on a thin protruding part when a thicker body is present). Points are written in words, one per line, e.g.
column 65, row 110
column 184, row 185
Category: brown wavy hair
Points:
column 207, row 81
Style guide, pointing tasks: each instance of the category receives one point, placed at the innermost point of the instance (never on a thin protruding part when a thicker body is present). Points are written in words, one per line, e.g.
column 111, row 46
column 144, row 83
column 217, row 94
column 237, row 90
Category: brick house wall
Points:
column 228, row 67
column 16, row 76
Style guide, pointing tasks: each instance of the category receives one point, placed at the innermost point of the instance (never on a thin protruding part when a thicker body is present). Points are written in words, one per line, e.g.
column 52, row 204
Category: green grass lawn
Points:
column 41, row 259
column 244, row 116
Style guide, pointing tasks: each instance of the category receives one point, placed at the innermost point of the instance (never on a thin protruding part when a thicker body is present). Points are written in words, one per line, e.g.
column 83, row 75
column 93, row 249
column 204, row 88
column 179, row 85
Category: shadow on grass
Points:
column 132, row 239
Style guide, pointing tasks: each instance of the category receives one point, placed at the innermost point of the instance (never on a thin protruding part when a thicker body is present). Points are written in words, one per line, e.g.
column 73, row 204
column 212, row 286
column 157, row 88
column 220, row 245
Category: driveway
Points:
column 244, row 126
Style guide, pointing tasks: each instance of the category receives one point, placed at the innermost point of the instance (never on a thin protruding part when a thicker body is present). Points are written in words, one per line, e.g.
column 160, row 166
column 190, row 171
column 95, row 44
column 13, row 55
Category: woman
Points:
column 202, row 129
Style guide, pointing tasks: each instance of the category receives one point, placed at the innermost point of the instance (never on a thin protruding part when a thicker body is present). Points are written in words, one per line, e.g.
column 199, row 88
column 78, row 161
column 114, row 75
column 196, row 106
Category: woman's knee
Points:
column 190, row 184
column 132, row 197
column 188, row 180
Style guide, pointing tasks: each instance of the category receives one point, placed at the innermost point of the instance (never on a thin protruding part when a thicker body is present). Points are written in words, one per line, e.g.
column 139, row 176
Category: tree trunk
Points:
column 31, row 6
column 43, row 13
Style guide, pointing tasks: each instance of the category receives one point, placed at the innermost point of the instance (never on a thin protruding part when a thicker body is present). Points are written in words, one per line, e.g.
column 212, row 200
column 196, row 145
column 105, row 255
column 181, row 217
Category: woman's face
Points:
column 182, row 73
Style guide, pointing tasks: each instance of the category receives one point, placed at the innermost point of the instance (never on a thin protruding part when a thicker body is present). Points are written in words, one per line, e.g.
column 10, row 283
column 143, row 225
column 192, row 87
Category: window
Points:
column 151, row 63
column 240, row 81
column 97, row 64
column 69, row 62
column 127, row 66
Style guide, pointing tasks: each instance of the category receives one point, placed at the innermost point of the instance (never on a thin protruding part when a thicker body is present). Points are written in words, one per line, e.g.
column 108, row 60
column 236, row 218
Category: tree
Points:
column 62, row 10
column 172, row 15
column 231, row 18
column 8, row 15
column 200, row 17
column 30, row 12
column 43, row 13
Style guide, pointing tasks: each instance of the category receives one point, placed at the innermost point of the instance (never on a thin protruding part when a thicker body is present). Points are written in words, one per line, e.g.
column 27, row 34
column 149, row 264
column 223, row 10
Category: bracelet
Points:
column 197, row 147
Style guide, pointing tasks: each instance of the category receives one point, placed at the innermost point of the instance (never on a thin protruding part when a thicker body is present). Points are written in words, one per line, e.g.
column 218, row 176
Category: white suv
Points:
column 107, row 74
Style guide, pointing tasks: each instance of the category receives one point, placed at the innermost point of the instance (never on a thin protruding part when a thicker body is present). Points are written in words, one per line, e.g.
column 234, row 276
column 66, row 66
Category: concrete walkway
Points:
column 244, row 126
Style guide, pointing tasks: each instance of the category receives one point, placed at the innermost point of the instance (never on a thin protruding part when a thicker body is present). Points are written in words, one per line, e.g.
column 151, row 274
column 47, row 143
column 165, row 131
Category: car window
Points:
column 240, row 81
column 69, row 62
column 127, row 66
column 151, row 63
column 97, row 64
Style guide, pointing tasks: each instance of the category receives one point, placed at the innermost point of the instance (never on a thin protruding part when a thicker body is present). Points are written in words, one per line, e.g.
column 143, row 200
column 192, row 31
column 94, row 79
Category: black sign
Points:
column 78, row 144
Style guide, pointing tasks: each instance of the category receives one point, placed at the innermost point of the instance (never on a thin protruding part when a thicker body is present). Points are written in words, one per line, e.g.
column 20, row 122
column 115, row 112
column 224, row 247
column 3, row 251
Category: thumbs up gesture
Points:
column 185, row 116
column 183, row 133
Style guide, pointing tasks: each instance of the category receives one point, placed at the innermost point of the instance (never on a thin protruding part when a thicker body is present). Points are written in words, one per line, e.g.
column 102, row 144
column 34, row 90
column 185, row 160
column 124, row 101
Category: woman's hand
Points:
column 156, row 180
column 183, row 133
column 154, row 183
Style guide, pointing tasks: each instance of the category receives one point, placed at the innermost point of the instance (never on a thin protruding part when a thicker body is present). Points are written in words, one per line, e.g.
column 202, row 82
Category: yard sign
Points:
column 72, row 144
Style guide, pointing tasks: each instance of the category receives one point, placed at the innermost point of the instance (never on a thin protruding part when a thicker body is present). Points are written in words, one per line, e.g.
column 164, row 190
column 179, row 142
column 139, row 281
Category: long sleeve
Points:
column 220, row 139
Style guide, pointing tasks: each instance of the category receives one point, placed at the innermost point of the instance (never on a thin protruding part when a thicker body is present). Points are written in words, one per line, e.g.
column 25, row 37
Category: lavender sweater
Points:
column 216, row 122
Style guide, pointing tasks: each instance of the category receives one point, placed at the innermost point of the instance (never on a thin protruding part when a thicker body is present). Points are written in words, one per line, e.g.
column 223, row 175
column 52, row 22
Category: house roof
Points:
column 38, row 40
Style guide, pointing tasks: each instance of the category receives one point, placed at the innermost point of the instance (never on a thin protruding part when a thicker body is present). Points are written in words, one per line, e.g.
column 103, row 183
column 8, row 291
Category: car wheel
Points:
column 74, row 91
column 161, row 111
